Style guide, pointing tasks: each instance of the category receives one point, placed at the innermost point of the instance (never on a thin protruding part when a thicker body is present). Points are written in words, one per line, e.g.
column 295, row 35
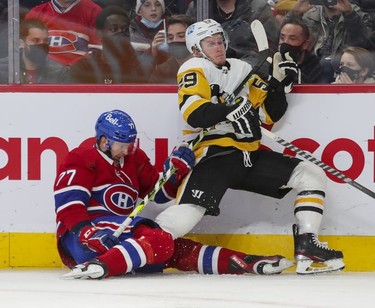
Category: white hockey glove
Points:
column 284, row 70
column 244, row 118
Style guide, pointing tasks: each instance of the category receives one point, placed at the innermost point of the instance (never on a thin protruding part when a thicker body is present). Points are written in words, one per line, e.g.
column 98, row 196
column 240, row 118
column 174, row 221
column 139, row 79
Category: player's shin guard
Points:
column 310, row 182
column 308, row 210
column 149, row 246
column 126, row 257
column 193, row 256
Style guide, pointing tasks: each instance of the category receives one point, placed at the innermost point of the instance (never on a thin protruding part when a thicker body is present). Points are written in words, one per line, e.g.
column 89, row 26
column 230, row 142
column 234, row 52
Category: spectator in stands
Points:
column 294, row 38
column 35, row 67
column 176, row 7
column 71, row 25
column 235, row 17
column 172, row 7
column 149, row 22
column 166, row 72
column 127, row 5
column 356, row 66
column 332, row 29
column 368, row 7
column 117, row 61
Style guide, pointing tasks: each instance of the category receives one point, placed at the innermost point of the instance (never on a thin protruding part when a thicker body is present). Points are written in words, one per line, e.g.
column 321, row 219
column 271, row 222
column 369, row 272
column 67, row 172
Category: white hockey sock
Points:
column 308, row 210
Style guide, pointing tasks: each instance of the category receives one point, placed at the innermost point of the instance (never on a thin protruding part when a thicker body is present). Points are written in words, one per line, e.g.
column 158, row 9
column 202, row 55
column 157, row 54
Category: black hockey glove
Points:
column 244, row 118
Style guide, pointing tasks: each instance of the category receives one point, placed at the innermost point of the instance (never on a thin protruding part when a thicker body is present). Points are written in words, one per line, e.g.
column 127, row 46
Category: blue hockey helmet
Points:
column 116, row 125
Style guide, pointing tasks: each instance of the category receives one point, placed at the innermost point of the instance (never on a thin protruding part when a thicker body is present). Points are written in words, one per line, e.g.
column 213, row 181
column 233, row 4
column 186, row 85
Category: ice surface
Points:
column 44, row 288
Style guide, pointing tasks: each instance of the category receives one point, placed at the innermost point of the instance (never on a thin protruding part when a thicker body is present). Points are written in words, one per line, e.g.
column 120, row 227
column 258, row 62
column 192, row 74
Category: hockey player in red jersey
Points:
column 71, row 27
column 97, row 187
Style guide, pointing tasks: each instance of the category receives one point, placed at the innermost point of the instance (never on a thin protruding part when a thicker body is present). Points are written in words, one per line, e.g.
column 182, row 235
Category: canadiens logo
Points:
column 61, row 41
column 120, row 199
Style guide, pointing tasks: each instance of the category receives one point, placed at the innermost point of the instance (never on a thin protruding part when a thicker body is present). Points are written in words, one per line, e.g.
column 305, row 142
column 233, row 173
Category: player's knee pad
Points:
column 180, row 219
column 157, row 244
column 308, row 177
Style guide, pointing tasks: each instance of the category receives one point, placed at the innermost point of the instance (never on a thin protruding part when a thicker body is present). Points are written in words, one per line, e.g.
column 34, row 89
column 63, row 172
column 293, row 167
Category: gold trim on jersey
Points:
column 197, row 80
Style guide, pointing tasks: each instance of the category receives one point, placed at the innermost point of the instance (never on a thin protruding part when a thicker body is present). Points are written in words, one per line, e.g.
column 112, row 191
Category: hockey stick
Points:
column 156, row 188
column 317, row 162
column 262, row 44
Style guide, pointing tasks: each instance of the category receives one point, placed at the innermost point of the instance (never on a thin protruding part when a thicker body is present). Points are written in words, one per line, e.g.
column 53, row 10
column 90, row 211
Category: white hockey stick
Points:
column 263, row 51
column 317, row 162
column 262, row 44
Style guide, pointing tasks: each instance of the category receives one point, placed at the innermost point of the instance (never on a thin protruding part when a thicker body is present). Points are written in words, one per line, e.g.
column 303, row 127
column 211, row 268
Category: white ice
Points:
column 45, row 289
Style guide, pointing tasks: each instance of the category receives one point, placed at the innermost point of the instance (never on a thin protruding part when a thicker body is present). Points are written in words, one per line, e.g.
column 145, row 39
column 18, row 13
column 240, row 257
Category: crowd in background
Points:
column 143, row 41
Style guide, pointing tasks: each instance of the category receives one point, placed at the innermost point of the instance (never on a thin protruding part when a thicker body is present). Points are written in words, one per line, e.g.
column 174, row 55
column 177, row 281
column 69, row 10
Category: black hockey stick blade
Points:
column 317, row 162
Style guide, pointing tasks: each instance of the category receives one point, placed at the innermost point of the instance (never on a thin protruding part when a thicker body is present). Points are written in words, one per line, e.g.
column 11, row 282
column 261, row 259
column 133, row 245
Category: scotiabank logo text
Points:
column 12, row 168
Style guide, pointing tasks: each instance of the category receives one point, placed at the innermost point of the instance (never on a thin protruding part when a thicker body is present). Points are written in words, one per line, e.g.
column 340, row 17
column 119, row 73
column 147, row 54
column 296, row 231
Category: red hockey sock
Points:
column 149, row 246
column 193, row 256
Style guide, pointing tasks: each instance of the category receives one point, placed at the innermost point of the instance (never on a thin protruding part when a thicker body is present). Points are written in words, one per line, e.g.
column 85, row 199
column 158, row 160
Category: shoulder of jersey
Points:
column 237, row 62
column 193, row 63
column 82, row 150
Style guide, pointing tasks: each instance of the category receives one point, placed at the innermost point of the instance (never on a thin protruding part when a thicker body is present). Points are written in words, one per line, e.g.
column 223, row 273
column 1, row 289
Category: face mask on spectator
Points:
column 353, row 74
column 294, row 51
column 178, row 50
column 37, row 54
column 150, row 24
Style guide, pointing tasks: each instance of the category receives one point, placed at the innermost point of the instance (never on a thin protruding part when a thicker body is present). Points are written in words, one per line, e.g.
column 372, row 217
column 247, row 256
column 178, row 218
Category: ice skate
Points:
column 260, row 265
column 308, row 250
column 89, row 270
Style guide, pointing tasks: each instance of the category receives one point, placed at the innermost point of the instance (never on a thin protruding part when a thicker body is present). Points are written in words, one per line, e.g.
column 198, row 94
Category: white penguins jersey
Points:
column 201, row 88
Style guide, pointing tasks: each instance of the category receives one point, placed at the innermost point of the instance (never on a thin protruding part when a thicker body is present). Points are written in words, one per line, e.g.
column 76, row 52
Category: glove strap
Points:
column 239, row 111
column 78, row 227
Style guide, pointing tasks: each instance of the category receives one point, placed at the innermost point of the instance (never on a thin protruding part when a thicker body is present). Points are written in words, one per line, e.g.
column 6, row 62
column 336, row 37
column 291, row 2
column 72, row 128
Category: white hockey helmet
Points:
column 198, row 31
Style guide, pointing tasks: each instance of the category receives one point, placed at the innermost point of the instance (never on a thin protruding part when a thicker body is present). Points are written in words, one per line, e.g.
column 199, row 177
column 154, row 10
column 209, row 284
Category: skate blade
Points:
column 283, row 264
column 80, row 273
column 308, row 267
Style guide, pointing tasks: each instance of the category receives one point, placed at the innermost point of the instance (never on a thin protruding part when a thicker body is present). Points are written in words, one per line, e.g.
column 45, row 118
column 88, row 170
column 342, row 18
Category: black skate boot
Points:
column 93, row 269
column 308, row 250
column 260, row 265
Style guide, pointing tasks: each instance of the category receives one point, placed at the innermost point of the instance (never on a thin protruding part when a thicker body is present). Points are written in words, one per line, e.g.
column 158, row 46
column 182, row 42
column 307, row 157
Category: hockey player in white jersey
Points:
column 229, row 156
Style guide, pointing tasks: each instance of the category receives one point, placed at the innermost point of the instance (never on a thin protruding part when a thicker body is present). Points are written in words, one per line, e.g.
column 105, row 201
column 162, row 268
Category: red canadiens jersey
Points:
column 89, row 185
column 70, row 32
